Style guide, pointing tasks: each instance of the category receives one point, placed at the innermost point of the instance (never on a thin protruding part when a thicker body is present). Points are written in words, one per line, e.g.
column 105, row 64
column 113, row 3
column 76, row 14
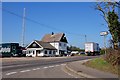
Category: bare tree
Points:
column 110, row 15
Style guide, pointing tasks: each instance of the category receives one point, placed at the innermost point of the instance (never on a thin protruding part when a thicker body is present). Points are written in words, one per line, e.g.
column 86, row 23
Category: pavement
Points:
column 78, row 68
column 11, row 59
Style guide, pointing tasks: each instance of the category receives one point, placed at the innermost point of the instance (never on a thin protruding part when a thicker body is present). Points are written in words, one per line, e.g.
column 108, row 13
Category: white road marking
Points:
column 45, row 67
column 11, row 73
column 25, row 70
column 34, row 69
column 51, row 66
column 57, row 65
column 63, row 64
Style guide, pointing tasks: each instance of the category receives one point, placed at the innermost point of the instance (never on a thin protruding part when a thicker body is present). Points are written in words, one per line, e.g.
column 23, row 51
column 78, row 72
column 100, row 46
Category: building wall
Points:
column 34, row 52
column 62, row 46
column 41, row 53
column 59, row 46
column 49, row 52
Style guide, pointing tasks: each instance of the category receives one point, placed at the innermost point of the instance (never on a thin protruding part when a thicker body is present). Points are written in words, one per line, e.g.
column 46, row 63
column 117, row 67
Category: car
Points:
column 82, row 53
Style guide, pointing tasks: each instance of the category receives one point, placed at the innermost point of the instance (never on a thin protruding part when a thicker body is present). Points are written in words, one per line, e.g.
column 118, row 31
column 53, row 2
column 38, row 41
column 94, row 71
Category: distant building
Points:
column 50, row 45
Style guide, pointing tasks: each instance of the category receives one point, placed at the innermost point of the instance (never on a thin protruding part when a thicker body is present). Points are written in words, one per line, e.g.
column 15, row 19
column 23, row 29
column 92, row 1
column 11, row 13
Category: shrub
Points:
column 113, row 56
column 102, row 51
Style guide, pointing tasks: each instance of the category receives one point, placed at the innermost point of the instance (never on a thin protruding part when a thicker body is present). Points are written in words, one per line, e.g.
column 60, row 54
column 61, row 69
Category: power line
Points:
column 47, row 26
column 31, row 20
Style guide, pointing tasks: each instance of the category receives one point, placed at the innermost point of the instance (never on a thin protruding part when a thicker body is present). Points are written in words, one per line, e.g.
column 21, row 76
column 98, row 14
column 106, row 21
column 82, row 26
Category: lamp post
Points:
column 104, row 33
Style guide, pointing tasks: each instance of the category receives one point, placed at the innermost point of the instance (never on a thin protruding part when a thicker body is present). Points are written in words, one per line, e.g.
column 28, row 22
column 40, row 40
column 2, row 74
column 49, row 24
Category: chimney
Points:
column 52, row 33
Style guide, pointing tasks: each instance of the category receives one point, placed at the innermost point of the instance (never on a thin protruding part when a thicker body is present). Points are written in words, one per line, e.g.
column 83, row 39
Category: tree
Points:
column 73, row 48
column 109, row 13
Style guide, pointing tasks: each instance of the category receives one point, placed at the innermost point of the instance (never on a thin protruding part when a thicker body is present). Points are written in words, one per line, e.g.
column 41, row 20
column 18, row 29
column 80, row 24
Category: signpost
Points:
column 104, row 33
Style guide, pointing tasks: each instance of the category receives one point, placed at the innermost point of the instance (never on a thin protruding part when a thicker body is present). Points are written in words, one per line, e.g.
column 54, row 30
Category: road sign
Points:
column 103, row 33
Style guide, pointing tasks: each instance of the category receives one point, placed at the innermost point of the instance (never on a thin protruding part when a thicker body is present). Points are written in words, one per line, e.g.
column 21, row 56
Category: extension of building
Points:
column 50, row 45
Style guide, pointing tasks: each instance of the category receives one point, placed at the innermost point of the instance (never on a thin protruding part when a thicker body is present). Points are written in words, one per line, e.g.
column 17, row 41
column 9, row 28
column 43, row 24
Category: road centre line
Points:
column 57, row 65
column 51, row 66
column 34, row 69
column 25, row 70
column 45, row 67
column 11, row 73
column 63, row 64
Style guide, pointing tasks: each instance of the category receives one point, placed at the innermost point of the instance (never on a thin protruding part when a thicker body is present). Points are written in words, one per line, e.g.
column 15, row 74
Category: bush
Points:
column 113, row 56
column 102, row 51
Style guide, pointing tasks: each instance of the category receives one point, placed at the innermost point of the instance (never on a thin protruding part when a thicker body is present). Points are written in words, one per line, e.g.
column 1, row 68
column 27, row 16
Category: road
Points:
column 49, row 68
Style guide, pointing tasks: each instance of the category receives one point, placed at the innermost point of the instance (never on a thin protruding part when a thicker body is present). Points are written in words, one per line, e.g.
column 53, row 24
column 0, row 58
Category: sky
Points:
column 75, row 19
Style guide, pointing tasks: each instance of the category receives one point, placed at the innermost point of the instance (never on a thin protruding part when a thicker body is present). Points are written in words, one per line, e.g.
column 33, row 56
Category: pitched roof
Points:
column 54, row 37
column 45, row 45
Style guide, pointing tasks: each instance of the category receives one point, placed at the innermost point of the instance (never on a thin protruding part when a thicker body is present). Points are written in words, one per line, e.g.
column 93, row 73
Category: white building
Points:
column 39, row 48
column 58, row 40
column 50, row 45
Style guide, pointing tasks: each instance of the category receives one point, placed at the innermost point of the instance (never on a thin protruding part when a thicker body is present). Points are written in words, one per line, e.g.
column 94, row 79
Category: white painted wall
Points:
column 31, row 51
column 59, row 46
column 48, row 53
column 55, row 44
column 42, row 52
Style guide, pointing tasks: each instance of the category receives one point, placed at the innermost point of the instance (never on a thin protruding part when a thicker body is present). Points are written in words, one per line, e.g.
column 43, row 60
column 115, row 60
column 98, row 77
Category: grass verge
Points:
column 101, row 64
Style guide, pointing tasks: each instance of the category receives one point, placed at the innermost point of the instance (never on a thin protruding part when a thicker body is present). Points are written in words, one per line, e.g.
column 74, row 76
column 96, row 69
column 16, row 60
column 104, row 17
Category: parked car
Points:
column 82, row 53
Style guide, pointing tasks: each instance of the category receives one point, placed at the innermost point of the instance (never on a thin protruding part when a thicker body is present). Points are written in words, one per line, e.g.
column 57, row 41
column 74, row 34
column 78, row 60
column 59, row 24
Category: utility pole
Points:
column 23, row 29
column 105, row 43
column 85, row 38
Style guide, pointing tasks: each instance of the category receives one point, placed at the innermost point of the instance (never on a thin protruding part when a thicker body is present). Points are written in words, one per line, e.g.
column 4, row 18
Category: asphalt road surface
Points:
column 50, row 68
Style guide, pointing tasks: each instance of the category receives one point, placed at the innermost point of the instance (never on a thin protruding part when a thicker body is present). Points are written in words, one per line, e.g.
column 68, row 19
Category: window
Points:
column 34, row 45
column 60, row 44
column 13, row 47
column 64, row 45
column 33, row 52
column 45, row 52
column 49, row 52
column 29, row 51
column 53, row 52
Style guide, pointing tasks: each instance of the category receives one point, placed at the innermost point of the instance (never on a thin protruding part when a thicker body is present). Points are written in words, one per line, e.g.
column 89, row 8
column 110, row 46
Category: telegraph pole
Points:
column 23, row 29
column 85, row 38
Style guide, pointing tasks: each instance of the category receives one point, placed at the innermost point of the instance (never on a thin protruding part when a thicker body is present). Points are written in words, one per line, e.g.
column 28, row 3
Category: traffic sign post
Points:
column 104, row 33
